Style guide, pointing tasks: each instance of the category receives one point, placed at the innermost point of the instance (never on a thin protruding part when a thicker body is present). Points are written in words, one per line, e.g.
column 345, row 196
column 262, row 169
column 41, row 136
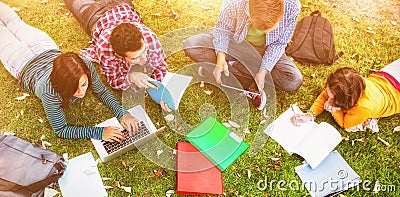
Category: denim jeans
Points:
column 20, row 42
column 285, row 74
column 88, row 12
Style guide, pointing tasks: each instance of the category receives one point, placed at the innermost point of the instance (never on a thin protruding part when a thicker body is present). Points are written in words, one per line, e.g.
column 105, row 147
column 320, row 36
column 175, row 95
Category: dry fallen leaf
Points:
column 44, row 1
column 383, row 141
column 174, row 14
column 127, row 189
column 61, row 4
column 65, row 156
column 159, row 173
column 256, row 168
column 313, row 75
column 356, row 20
column 117, row 184
column 107, row 187
column 202, row 84
column 131, row 169
column 208, row 92
column 106, row 178
column 234, row 124
column 246, row 130
column 276, row 167
column 159, row 152
column 20, row 98
column 394, row 23
column 8, row 133
column 169, row 193
column 226, row 124
column 156, row 14
column 396, row 129
column 370, row 31
column 40, row 120
column 123, row 164
column 248, row 173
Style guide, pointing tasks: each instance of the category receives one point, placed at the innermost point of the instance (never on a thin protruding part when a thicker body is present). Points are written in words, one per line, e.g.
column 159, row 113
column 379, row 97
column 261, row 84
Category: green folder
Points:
column 217, row 142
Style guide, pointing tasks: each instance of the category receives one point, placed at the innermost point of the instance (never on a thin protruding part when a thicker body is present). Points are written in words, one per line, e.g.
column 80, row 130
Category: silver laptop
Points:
column 110, row 150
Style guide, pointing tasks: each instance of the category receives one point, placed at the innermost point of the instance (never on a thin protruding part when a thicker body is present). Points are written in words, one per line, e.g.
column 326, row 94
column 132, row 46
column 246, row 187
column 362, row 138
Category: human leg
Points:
column 19, row 42
column 286, row 75
column 200, row 48
column 88, row 12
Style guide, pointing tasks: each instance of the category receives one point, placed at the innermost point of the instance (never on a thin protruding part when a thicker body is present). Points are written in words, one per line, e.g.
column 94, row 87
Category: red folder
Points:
column 195, row 174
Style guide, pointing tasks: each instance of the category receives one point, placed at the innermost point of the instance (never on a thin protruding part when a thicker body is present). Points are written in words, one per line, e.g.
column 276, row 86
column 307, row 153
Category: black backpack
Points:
column 312, row 41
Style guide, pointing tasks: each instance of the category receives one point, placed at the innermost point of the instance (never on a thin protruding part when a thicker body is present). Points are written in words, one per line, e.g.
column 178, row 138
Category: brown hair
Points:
column 264, row 14
column 346, row 85
column 125, row 37
column 67, row 70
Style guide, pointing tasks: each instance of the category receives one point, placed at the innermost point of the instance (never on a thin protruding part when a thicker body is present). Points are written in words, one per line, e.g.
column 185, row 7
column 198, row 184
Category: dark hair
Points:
column 346, row 85
column 264, row 14
column 67, row 70
column 125, row 37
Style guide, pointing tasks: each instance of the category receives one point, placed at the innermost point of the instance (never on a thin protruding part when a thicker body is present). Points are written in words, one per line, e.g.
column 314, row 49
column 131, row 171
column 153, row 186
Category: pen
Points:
column 295, row 119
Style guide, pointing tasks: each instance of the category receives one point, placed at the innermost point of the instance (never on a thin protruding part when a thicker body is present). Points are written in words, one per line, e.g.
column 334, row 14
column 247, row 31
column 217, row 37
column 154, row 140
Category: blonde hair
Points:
column 265, row 14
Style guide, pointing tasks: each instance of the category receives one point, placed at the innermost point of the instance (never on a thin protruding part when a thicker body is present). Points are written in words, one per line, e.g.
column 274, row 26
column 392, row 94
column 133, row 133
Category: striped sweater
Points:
column 35, row 77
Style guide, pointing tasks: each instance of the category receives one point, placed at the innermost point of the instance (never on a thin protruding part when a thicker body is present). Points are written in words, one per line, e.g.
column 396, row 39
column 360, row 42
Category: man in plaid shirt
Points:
column 249, row 42
column 120, row 41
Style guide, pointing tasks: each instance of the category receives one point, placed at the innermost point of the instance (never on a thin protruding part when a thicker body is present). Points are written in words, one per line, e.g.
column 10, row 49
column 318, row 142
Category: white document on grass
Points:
column 170, row 90
column 311, row 140
column 82, row 178
column 332, row 176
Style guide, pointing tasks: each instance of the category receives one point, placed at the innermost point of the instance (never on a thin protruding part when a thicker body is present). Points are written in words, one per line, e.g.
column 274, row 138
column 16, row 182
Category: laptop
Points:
column 147, row 131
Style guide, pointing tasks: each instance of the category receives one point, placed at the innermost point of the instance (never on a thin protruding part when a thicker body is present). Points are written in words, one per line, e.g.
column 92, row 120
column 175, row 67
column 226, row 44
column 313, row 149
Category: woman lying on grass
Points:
column 353, row 99
column 34, row 59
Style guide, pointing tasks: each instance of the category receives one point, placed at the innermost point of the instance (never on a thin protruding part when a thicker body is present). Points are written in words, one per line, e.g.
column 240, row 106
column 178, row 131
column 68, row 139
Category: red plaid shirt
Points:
column 115, row 68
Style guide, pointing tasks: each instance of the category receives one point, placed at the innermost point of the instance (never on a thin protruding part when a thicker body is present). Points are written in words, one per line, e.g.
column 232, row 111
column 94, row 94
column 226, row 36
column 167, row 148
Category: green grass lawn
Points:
column 371, row 159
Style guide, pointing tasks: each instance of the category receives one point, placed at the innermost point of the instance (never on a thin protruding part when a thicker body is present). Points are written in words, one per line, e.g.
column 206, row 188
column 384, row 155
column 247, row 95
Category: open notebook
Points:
column 170, row 90
column 311, row 140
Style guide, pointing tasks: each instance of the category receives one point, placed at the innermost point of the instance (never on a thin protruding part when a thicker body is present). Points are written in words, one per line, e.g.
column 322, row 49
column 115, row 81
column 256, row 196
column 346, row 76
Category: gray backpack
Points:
column 25, row 169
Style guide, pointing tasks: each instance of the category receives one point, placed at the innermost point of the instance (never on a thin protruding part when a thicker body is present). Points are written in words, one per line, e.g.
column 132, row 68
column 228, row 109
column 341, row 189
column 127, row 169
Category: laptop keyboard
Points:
column 114, row 146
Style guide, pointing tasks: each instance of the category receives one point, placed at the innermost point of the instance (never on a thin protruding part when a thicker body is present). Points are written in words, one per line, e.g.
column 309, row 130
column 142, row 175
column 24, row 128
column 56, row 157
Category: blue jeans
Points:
column 285, row 74
column 20, row 42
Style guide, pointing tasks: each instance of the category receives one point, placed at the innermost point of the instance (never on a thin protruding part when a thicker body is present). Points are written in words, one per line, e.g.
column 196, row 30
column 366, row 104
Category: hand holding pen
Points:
column 298, row 119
